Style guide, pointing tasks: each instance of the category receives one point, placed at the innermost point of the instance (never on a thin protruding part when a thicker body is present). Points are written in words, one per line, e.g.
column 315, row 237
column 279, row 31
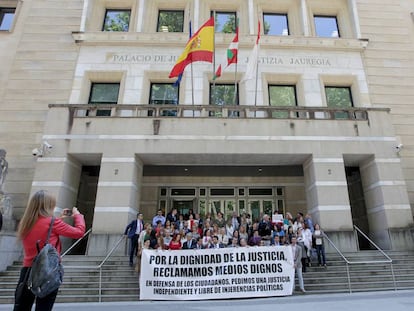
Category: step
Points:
column 121, row 283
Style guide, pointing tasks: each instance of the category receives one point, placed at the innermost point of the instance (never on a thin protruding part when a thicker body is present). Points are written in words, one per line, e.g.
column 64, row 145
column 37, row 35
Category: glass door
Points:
column 183, row 206
column 225, row 206
column 267, row 206
column 258, row 207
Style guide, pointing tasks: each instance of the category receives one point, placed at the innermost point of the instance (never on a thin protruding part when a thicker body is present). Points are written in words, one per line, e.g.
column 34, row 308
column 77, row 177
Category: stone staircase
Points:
column 120, row 282
column 81, row 280
column 364, row 277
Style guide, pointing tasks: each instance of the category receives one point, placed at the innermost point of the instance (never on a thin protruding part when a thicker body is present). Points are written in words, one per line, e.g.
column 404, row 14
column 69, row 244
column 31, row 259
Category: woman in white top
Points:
column 320, row 249
column 243, row 233
column 207, row 238
column 307, row 236
column 229, row 230
column 222, row 237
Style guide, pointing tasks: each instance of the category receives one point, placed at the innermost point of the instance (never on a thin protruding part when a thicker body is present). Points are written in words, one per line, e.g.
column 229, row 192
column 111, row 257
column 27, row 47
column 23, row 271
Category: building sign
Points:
column 140, row 58
column 217, row 273
column 265, row 60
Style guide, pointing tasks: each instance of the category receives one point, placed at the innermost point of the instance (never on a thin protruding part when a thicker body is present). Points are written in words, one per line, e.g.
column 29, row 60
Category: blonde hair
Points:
column 40, row 204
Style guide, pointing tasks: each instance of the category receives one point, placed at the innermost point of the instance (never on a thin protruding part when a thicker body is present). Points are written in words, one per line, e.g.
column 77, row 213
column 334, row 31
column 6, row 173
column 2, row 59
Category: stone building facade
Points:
column 342, row 151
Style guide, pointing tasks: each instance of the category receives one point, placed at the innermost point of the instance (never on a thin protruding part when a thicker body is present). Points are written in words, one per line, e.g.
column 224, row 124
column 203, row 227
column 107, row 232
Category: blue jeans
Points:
column 26, row 300
column 320, row 250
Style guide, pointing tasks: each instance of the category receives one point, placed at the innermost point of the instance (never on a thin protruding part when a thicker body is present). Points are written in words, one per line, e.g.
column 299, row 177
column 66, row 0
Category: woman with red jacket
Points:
column 175, row 243
column 33, row 227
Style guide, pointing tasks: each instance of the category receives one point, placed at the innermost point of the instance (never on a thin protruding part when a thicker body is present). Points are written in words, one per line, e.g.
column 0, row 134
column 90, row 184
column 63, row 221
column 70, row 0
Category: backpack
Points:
column 46, row 273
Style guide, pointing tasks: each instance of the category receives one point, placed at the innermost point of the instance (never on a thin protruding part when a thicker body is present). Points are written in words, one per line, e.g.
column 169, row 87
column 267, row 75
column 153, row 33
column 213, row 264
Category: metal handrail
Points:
column 100, row 265
column 349, row 262
column 372, row 242
column 76, row 243
column 343, row 257
column 103, row 262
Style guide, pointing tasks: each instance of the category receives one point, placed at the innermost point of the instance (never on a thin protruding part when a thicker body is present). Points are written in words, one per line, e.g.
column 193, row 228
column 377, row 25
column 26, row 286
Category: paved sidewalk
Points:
column 381, row 301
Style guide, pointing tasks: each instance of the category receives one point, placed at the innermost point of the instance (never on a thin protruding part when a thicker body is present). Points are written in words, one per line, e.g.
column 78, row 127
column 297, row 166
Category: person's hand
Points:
column 75, row 211
column 66, row 213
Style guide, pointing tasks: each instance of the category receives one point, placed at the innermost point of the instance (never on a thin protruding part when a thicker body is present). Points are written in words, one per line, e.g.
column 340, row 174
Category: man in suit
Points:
column 265, row 229
column 216, row 243
column 297, row 262
column 172, row 216
column 235, row 221
column 234, row 242
column 190, row 243
column 132, row 231
column 199, row 243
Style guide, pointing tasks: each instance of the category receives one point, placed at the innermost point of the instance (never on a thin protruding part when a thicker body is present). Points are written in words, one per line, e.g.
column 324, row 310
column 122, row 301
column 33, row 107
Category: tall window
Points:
column 339, row 97
column 225, row 22
column 326, row 26
column 224, row 95
column 6, row 18
column 170, row 21
column 104, row 93
column 282, row 96
column 116, row 20
column 275, row 24
column 164, row 94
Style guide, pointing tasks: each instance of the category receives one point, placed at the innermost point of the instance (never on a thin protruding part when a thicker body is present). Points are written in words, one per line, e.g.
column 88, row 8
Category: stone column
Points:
column 8, row 223
column 388, row 208
column 305, row 19
column 10, row 248
column 328, row 200
column 59, row 175
column 117, row 202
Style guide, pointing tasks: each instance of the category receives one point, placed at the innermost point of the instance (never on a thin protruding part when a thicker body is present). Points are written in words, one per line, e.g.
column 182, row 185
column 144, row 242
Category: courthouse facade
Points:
column 87, row 111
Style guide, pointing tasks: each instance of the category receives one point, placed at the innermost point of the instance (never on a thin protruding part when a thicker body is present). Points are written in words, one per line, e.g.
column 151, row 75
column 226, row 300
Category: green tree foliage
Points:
column 282, row 96
column 266, row 27
column 228, row 20
column 164, row 94
column 230, row 25
column 339, row 97
column 117, row 20
column 106, row 93
column 173, row 20
column 222, row 94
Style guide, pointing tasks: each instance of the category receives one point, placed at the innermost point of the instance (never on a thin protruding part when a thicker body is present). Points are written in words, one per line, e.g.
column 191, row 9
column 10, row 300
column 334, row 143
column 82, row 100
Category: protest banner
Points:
column 216, row 273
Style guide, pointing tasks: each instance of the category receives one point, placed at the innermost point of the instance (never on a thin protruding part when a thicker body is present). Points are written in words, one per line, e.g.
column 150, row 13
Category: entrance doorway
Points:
column 225, row 206
column 183, row 207
column 85, row 202
column 259, row 207
column 205, row 200
column 357, row 202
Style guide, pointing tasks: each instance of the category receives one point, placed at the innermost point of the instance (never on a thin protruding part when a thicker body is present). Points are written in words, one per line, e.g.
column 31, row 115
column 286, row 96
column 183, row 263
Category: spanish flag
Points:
column 200, row 47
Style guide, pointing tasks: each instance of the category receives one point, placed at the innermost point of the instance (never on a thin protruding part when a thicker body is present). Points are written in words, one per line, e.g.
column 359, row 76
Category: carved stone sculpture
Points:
column 3, row 169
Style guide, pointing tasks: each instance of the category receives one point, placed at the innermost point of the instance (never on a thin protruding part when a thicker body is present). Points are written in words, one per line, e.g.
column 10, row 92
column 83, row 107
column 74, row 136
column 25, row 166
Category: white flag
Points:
column 252, row 64
column 253, row 59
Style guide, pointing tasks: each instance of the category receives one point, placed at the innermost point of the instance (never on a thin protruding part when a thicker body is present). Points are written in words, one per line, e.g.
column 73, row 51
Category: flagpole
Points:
column 214, row 47
column 235, row 86
column 192, row 73
column 257, row 65
column 235, row 70
column 257, row 79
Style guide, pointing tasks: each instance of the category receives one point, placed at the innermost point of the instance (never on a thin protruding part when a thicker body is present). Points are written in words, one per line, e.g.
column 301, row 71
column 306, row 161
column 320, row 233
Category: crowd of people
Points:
column 177, row 231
